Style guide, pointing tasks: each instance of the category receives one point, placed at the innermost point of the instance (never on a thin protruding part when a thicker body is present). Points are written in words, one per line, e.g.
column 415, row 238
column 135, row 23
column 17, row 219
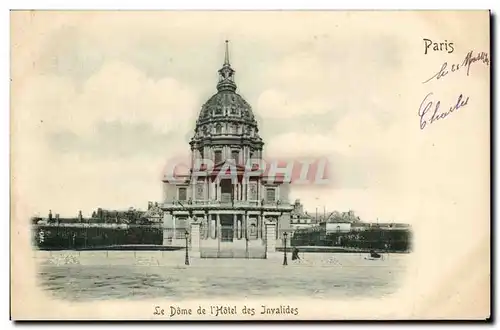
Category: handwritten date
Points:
column 469, row 59
column 430, row 111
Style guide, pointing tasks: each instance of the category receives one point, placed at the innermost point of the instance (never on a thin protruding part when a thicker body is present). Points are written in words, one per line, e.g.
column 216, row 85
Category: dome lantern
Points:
column 226, row 74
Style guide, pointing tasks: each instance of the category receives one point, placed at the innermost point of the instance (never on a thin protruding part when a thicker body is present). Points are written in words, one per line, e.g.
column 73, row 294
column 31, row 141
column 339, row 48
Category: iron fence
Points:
column 81, row 237
column 379, row 239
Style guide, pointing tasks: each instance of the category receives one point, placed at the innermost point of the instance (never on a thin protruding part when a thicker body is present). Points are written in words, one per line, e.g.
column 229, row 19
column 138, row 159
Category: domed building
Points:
column 235, row 206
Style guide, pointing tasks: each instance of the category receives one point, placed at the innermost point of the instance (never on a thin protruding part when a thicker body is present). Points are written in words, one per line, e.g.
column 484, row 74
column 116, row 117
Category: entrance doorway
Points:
column 227, row 227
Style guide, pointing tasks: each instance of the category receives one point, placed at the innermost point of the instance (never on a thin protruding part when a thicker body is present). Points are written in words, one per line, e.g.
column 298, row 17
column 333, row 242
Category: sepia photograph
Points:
column 250, row 165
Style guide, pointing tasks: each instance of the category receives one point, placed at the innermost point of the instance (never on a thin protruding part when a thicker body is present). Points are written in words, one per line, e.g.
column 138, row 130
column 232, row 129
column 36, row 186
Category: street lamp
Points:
column 186, row 262
column 285, row 234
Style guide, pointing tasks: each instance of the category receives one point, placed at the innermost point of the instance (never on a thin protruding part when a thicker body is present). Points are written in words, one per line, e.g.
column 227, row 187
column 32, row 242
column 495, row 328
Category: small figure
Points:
column 295, row 254
column 374, row 254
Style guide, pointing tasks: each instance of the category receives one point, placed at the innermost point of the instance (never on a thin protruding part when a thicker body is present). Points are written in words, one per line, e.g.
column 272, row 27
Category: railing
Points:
column 179, row 233
column 231, row 242
column 228, row 201
column 78, row 237
column 379, row 239
column 213, row 232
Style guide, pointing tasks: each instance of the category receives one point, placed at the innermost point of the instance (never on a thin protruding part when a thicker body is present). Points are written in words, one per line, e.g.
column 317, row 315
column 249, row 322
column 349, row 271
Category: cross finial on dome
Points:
column 226, row 57
column 226, row 74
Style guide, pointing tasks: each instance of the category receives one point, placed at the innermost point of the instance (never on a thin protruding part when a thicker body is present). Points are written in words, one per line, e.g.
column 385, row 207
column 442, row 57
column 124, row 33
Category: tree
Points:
column 350, row 216
column 346, row 217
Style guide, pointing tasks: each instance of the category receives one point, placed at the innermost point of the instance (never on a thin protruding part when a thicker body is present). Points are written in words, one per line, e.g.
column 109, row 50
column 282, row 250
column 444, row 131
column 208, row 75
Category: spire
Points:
column 226, row 74
column 226, row 58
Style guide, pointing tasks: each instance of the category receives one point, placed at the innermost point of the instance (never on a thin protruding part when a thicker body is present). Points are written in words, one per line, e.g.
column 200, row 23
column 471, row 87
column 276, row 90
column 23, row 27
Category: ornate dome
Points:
column 226, row 116
column 226, row 105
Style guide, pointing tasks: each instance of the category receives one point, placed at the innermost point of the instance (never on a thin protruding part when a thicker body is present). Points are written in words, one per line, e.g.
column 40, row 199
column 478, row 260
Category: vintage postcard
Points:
column 254, row 165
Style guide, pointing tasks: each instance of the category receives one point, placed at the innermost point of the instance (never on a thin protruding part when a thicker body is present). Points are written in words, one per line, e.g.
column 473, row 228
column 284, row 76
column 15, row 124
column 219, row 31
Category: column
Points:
column 174, row 220
column 195, row 237
column 244, row 188
column 259, row 190
column 213, row 228
column 205, row 189
column 192, row 193
column 218, row 230
column 219, row 191
column 240, row 226
column 167, row 231
column 270, row 237
column 259, row 224
column 235, row 226
column 216, row 191
column 212, row 188
column 206, row 225
column 262, row 226
column 245, row 226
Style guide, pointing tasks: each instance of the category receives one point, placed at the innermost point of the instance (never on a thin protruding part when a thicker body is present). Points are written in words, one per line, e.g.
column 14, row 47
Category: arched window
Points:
column 218, row 156
column 235, row 155
column 218, row 129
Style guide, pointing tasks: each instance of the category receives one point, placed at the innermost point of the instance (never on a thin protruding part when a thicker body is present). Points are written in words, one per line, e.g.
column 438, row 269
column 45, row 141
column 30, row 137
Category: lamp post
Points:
column 186, row 262
column 285, row 234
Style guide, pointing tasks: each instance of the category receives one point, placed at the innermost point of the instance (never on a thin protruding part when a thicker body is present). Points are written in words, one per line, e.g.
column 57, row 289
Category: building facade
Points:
column 299, row 218
column 225, row 191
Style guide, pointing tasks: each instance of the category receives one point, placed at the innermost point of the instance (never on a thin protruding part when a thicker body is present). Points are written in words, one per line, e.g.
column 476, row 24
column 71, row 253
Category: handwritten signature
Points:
column 469, row 59
column 429, row 111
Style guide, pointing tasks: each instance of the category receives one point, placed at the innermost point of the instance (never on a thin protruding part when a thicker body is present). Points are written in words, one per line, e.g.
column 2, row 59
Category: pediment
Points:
column 227, row 164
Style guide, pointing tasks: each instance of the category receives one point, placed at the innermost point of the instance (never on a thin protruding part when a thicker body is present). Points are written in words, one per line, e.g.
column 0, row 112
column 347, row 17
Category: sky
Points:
column 103, row 100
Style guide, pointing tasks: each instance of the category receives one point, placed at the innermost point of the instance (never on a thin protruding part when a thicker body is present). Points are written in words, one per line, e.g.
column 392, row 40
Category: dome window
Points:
column 218, row 156
column 235, row 155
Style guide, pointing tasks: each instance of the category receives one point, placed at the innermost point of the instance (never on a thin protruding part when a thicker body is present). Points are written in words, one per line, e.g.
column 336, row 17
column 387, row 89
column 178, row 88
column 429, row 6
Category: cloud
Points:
column 70, row 53
column 118, row 92
column 331, row 76
column 274, row 103
column 116, row 139
column 363, row 152
column 104, row 142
